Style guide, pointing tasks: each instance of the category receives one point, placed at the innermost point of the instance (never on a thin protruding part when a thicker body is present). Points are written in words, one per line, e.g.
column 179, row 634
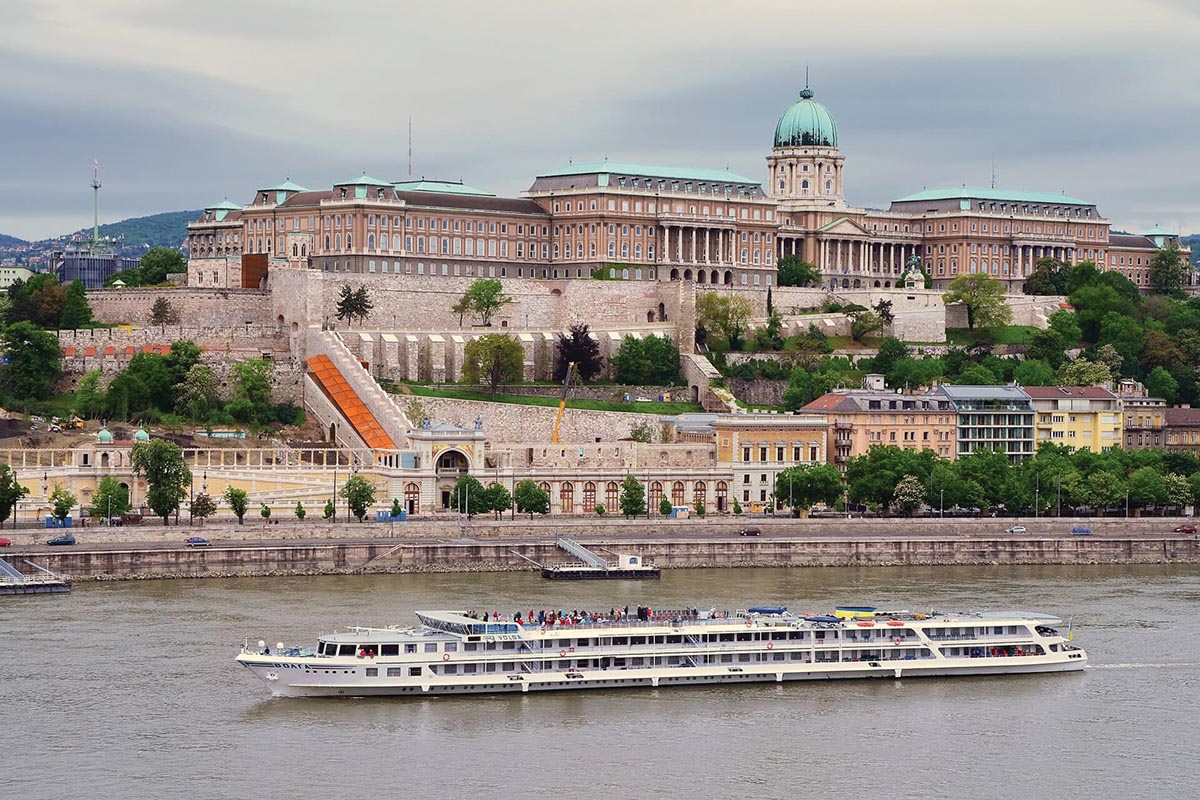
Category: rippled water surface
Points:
column 130, row 690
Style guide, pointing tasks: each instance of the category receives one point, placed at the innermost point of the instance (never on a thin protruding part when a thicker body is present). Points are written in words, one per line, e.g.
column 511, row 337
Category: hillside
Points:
column 168, row 229
column 1192, row 240
column 10, row 241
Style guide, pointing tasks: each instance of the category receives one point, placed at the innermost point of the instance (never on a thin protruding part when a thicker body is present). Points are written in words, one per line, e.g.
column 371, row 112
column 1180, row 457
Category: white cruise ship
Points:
column 454, row 652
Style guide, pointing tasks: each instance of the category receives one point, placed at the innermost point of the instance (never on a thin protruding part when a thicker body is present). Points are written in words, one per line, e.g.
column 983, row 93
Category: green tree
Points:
column 202, row 507
column 908, row 494
column 34, row 362
column 724, row 316
column 802, row 487
column 167, row 476
column 469, row 495
column 485, row 298
column 39, row 300
column 462, row 307
column 650, row 361
column 984, row 298
column 601, row 510
column 1034, row 373
column 1083, row 373
column 110, row 499
column 664, row 506
column 76, row 312
column 1178, row 490
column 159, row 262
column 162, row 312
column 89, row 397
column 1146, row 487
column 492, row 360
column 61, row 502
column 891, row 350
column 770, row 337
column 1047, row 346
column 252, row 391
column 265, row 512
column 577, row 347
column 11, row 492
column 1066, row 324
column 359, row 494
column 1167, row 271
column 794, row 271
column 238, row 502
column 633, row 497
column 329, row 510
column 300, row 512
column 498, row 499
column 531, row 499
column 977, row 375
column 1160, row 383
column 196, row 397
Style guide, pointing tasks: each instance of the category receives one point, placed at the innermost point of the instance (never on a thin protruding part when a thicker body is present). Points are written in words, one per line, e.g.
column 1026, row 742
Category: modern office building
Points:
column 999, row 418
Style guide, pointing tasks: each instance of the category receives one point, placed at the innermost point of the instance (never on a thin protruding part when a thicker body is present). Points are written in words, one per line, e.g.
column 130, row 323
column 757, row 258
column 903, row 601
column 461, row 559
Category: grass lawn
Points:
column 550, row 402
column 1009, row 334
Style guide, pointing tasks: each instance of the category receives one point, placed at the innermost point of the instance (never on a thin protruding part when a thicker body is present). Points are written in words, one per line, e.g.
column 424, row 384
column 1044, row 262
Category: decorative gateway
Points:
column 452, row 652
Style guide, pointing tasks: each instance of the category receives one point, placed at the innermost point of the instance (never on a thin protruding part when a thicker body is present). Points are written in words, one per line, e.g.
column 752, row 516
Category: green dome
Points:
column 104, row 436
column 141, row 435
column 806, row 124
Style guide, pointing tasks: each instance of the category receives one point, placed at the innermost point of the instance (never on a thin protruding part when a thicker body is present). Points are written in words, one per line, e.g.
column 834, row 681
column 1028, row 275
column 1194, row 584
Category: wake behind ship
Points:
column 451, row 652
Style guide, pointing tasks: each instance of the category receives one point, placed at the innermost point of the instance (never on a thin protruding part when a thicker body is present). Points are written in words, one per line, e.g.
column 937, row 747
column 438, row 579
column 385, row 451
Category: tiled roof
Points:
column 1059, row 392
column 1182, row 416
column 832, row 402
column 338, row 390
column 471, row 202
column 671, row 173
column 1130, row 241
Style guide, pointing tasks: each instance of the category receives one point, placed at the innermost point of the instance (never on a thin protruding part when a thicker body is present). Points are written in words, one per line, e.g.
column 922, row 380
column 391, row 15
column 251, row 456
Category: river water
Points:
column 129, row 690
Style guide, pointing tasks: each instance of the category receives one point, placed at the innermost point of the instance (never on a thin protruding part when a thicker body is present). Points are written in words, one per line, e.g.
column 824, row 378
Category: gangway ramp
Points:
column 579, row 551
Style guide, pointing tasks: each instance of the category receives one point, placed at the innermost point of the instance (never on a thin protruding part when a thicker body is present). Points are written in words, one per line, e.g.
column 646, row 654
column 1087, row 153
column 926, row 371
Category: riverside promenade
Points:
column 487, row 545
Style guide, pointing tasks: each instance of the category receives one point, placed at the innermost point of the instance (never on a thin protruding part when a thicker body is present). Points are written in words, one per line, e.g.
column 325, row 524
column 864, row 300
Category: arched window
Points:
column 654, row 498
column 412, row 497
column 327, row 241
column 612, row 497
column 677, row 493
column 395, row 241
column 566, row 496
column 700, row 494
column 828, row 185
column 370, row 241
column 589, row 497
column 722, row 496
column 337, row 241
column 295, row 249
column 349, row 240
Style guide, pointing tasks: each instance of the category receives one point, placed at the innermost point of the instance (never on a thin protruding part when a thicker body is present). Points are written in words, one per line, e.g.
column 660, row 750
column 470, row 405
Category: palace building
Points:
column 638, row 222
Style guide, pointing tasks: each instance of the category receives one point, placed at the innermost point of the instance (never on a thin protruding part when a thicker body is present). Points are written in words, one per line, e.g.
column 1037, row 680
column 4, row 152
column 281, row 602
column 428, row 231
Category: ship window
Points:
column 674, row 639
column 451, row 647
column 395, row 672
column 450, row 669
column 470, row 647
column 584, row 642
column 468, row 669
column 507, row 666
column 346, row 650
column 637, row 639
column 389, row 649
column 372, row 672
column 410, row 648
column 744, row 637
column 430, row 648
column 999, row 630
column 726, row 637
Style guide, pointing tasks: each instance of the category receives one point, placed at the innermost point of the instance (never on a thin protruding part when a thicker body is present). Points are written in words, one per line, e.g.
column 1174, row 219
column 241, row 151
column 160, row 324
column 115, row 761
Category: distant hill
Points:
column 10, row 241
column 168, row 229
column 1192, row 240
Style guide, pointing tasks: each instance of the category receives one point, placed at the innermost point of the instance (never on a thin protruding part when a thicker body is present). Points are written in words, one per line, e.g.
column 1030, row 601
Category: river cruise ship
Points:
column 453, row 652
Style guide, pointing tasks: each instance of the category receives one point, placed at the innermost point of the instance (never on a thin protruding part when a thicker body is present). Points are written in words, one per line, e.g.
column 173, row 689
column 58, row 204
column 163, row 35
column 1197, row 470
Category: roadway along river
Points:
column 129, row 690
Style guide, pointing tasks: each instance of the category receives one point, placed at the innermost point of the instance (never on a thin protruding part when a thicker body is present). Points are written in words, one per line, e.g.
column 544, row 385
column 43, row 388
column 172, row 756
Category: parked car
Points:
column 751, row 531
column 1081, row 530
column 1015, row 529
column 65, row 539
column 197, row 541
column 1188, row 528
column 4, row 542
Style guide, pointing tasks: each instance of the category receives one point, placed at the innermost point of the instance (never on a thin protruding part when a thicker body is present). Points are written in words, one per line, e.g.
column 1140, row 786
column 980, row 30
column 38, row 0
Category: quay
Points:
column 41, row 581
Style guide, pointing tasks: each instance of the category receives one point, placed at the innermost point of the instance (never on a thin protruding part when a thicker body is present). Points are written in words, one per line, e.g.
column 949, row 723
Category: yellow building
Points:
column 1083, row 417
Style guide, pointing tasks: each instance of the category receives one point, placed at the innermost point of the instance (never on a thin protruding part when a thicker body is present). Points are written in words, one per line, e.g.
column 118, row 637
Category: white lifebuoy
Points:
column 562, row 652
column 749, row 623
column 770, row 645
column 896, row 640
column 445, row 656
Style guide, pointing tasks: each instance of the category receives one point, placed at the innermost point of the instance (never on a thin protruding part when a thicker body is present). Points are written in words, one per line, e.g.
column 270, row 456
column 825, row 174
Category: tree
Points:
column 977, row 375
column 633, row 497
column 802, row 487
column 724, row 316
column 492, row 360
column 486, row 297
column 329, row 510
column 196, row 397
column 1034, row 373
column 1083, row 373
column 984, row 298
column 462, row 307
column 159, row 262
column 794, row 271
column 34, row 361
column 203, row 507
column 1146, row 487
column 531, row 499
column 909, row 494
column 353, row 304
column 300, row 512
column 770, row 336
column 601, row 510
column 252, row 391
column 265, row 512
column 1166, row 270
column 39, row 300
column 61, row 502
column 864, row 324
column 650, row 361
column 498, row 499
column 163, row 313
column 110, row 499
column 76, row 312
column 469, row 495
column 359, row 494
column 883, row 309
column 166, row 474
column 1110, row 357
column 1047, row 346
column 642, row 432
column 238, row 501
column 89, row 397
column 1177, row 489
column 664, row 506
column 1066, row 324
column 11, row 492
column 1160, row 383
column 579, row 348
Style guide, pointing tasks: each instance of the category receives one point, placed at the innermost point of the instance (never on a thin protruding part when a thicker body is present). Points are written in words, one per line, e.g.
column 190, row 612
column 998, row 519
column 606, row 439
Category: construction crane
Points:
column 562, row 404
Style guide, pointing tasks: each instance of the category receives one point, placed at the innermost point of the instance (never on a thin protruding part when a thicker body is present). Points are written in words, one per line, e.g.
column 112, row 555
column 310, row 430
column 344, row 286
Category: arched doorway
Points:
column 674, row 274
column 728, row 277
column 589, row 497
column 612, row 497
column 687, row 274
column 451, row 462
column 677, row 493
column 412, row 498
column 654, row 496
column 566, row 497
column 722, row 496
column 700, row 495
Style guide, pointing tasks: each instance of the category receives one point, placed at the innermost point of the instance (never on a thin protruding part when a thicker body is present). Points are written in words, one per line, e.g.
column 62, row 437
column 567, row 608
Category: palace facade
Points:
column 639, row 222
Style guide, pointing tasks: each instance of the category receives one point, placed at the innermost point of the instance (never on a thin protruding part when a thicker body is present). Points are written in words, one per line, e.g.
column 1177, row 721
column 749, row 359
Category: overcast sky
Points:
column 186, row 103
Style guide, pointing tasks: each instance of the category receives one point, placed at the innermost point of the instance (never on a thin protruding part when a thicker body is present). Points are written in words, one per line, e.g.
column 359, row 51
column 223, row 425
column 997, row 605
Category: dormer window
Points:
column 343, row 192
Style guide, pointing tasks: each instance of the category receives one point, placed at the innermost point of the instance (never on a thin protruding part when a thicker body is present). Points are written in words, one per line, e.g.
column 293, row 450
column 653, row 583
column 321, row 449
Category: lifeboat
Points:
column 895, row 623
